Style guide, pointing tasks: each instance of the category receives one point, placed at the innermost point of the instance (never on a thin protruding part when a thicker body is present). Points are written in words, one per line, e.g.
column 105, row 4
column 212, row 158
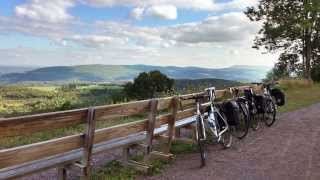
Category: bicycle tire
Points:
column 254, row 122
column 200, row 140
column 242, row 127
column 269, row 113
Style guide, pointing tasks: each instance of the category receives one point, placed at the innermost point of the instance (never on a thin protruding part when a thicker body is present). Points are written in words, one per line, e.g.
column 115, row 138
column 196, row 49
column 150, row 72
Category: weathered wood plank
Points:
column 186, row 113
column 22, row 154
column 164, row 103
column 119, row 131
column 121, row 110
column 25, row 125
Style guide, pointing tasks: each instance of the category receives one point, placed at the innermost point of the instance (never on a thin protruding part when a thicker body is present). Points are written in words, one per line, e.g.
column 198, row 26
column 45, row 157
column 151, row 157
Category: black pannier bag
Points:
column 260, row 103
column 278, row 96
column 247, row 93
column 231, row 111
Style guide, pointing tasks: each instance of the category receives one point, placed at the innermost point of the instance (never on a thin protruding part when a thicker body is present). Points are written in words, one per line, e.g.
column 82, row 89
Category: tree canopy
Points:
column 149, row 85
column 291, row 27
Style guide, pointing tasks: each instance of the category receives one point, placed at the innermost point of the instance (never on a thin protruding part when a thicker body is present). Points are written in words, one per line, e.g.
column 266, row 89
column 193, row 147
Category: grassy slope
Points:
column 300, row 97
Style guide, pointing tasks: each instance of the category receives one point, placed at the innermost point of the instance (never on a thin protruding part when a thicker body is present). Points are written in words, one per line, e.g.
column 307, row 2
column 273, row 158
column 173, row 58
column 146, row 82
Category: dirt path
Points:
column 288, row 150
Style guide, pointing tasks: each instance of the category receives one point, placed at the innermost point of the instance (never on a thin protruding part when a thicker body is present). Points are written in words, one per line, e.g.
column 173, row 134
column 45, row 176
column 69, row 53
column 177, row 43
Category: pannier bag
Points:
column 260, row 103
column 279, row 96
column 232, row 112
column 247, row 93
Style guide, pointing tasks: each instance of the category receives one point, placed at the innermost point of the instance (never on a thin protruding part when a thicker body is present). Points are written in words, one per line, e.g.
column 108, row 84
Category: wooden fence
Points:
column 77, row 150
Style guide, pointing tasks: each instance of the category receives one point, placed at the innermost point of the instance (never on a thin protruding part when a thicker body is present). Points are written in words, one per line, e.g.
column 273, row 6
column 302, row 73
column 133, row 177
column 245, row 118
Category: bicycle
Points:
column 243, row 114
column 216, row 123
column 270, row 108
column 200, row 133
column 249, row 97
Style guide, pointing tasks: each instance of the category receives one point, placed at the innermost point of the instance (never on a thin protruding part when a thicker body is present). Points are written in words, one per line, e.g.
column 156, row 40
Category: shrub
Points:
column 149, row 85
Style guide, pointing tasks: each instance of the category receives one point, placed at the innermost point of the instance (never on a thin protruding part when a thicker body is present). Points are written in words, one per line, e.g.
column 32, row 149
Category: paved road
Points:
column 289, row 150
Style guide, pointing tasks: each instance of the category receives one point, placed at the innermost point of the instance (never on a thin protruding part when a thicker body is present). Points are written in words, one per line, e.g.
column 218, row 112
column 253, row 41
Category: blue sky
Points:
column 206, row 33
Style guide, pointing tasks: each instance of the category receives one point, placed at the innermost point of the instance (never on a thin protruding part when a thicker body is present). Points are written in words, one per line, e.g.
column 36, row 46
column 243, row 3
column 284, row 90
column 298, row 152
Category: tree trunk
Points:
column 307, row 47
column 308, row 53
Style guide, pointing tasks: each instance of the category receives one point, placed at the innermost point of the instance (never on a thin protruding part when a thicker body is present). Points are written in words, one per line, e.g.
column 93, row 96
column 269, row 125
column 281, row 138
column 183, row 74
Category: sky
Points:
column 204, row 33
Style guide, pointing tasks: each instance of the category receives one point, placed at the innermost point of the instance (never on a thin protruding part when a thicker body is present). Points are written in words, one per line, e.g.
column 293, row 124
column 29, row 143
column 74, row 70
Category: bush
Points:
column 315, row 73
column 149, row 85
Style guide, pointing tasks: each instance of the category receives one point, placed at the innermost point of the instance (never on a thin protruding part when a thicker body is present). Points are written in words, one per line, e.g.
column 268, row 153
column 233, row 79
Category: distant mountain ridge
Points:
column 15, row 69
column 116, row 73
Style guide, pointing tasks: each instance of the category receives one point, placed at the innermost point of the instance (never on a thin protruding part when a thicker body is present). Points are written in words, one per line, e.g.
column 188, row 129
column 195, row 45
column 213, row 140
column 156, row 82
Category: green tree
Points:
column 291, row 26
column 148, row 85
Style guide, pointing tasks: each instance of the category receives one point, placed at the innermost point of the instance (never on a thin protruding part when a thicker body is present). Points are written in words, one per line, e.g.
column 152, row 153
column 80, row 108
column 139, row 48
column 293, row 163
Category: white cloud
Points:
column 54, row 11
column 163, row 11
column 96, row 40
column 137, row 13
column 188, row 4
column 225, row 28
column 208, row 5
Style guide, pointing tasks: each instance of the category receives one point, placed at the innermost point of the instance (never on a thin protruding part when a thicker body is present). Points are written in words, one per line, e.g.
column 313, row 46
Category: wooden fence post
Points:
column 151, row 124
column 171, row 123
column 62, row 173
column 88, row 144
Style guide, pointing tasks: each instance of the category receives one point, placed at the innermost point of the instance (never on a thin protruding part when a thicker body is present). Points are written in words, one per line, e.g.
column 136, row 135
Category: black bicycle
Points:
column 255, row 112
column 243, row 114
column 270, row 108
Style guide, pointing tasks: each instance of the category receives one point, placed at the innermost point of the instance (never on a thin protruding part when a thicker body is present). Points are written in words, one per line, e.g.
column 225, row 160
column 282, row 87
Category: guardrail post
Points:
column 88, row 144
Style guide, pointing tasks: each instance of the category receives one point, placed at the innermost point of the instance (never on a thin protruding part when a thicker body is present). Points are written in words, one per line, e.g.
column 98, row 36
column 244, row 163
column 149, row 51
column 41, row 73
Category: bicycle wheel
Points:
column 201, row 140
column 242, row 127
column 254, row 121
column 226, row 137
column 269, row 112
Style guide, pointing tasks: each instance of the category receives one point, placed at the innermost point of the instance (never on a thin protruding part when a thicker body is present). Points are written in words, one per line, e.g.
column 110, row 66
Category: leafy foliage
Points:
column 291, row 26
column 149, row 85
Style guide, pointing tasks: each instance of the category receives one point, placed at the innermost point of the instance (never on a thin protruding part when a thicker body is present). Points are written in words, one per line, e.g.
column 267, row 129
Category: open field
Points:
column 30, row 99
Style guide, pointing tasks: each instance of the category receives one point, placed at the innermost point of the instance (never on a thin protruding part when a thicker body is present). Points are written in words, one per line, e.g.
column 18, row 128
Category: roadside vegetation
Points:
column 299, row 94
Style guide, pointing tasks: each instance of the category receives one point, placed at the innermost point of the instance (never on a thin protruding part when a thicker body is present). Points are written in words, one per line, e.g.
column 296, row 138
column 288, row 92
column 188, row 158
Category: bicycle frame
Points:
column 212, row 96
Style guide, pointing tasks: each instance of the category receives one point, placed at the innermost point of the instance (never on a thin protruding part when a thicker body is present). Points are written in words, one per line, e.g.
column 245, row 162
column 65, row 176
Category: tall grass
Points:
column 299, row 94
column 295, row 83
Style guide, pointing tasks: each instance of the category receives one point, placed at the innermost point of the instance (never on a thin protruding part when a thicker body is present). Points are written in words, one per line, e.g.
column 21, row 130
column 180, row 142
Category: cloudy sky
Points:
column 206, row 33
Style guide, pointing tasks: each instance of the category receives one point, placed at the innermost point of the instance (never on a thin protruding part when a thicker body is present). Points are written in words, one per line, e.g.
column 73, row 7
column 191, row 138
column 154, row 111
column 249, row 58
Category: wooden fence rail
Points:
column 77, row 150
